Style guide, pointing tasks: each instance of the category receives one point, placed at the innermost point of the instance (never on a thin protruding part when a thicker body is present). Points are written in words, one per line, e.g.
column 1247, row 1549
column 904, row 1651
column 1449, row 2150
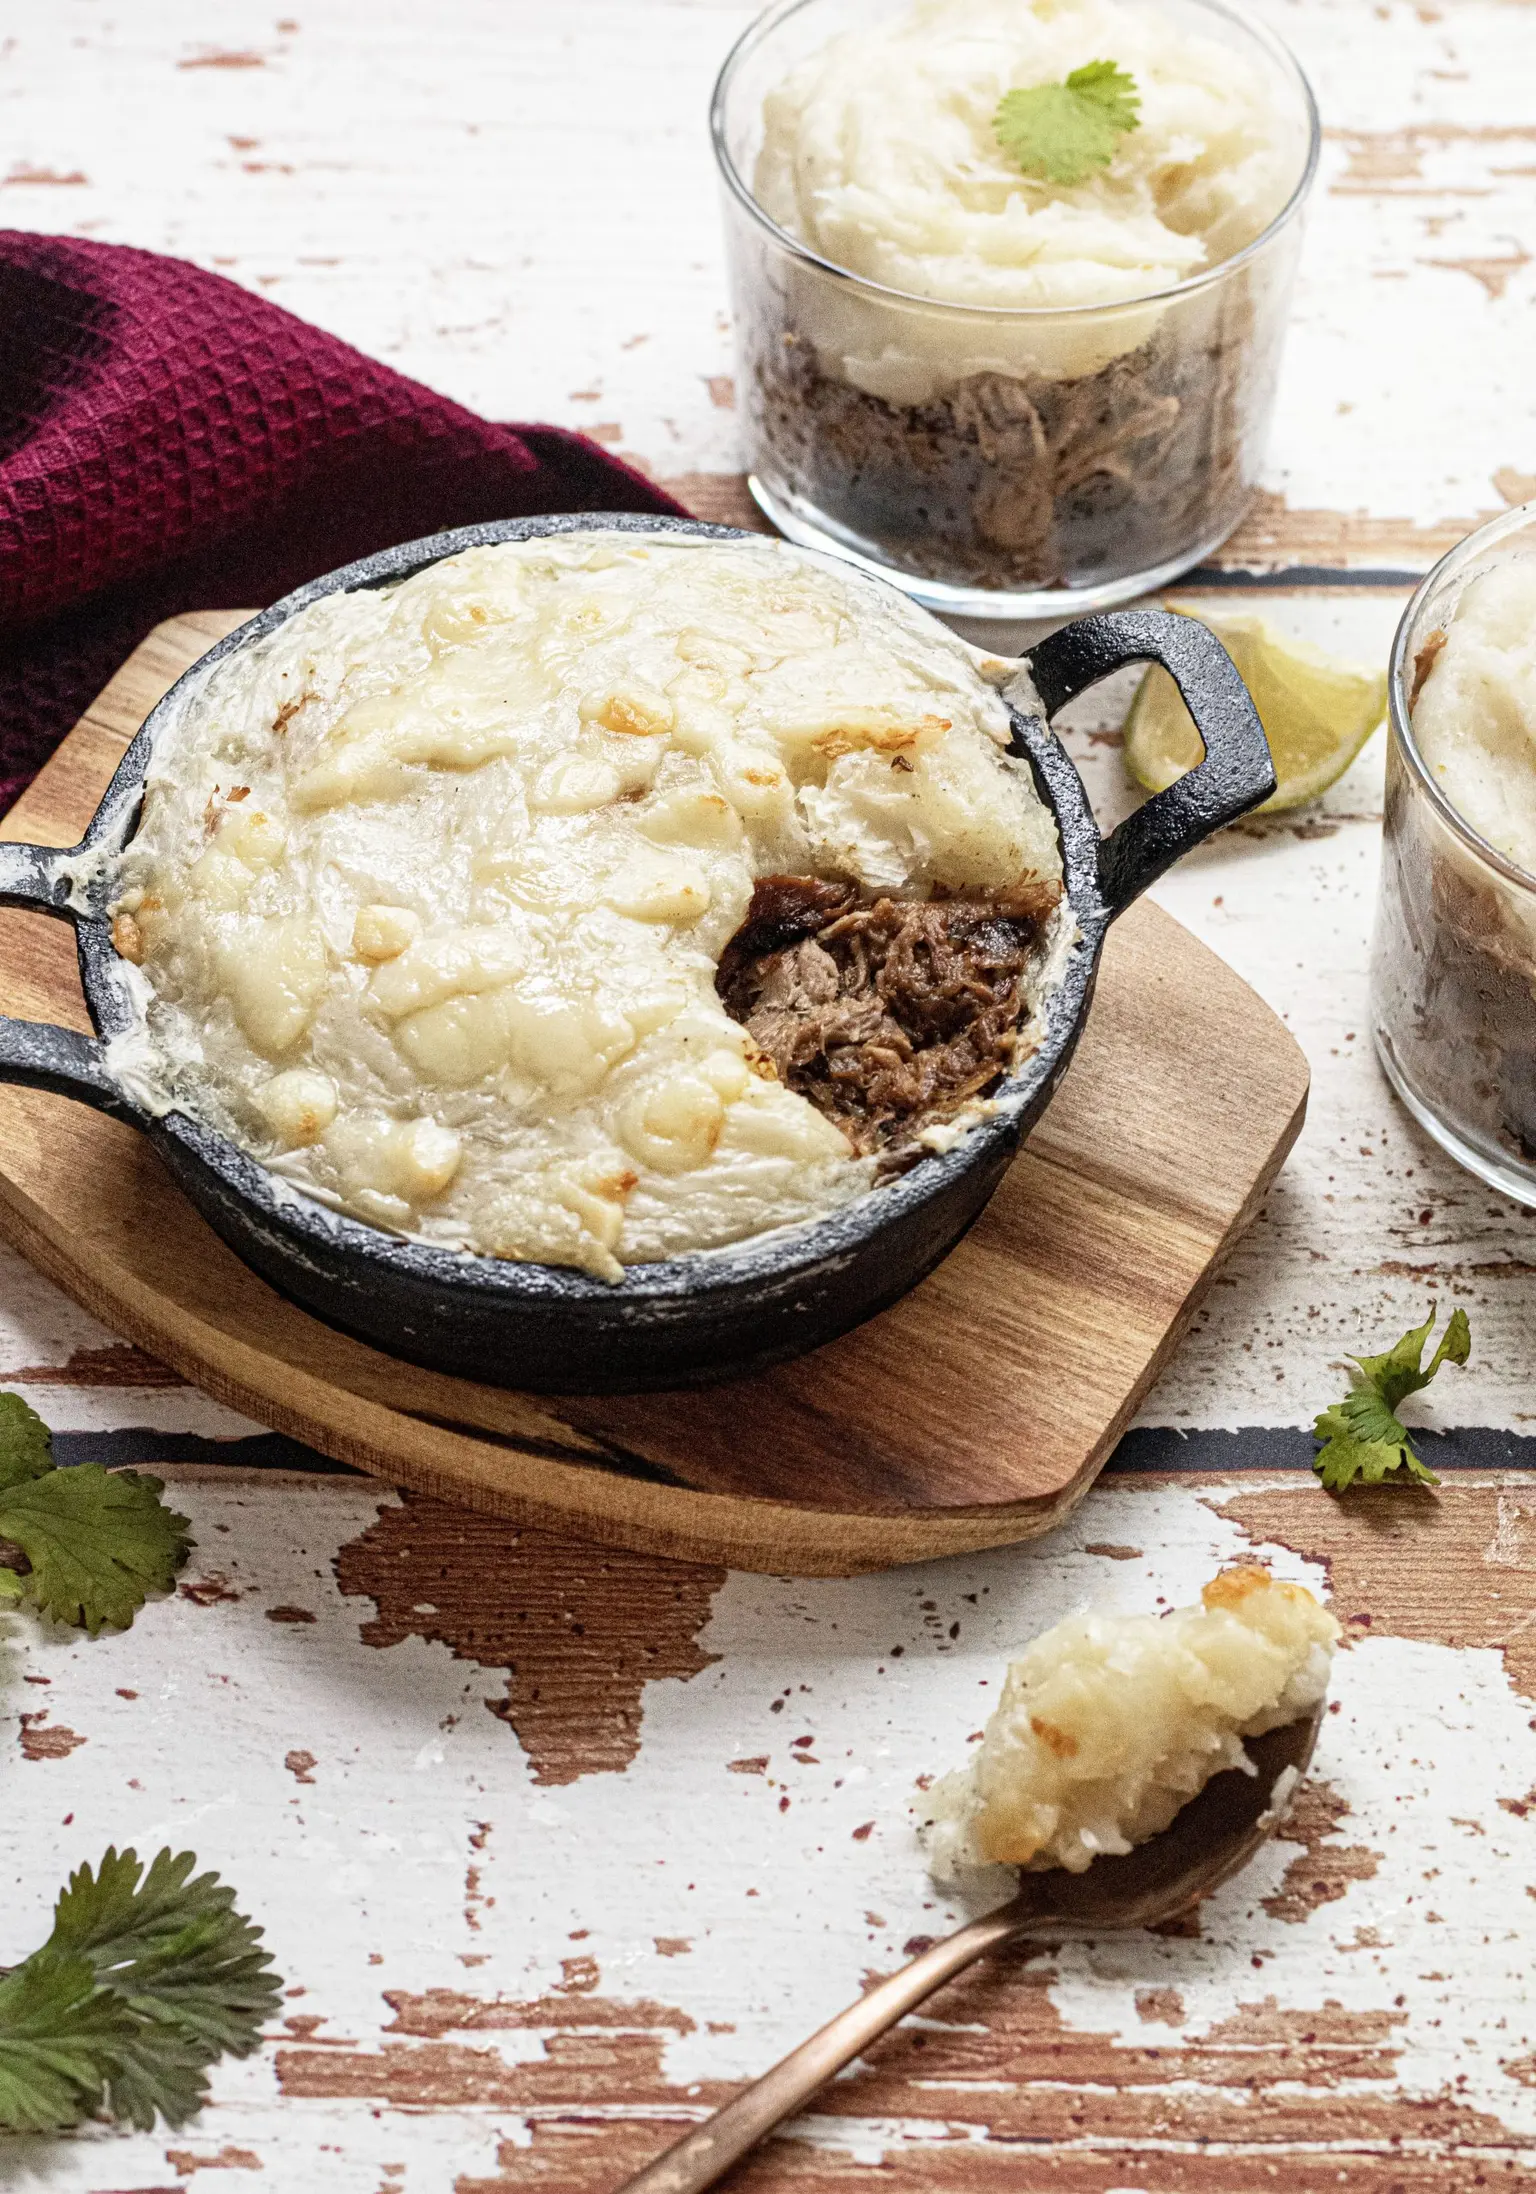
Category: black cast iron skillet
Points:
column 690, row 1319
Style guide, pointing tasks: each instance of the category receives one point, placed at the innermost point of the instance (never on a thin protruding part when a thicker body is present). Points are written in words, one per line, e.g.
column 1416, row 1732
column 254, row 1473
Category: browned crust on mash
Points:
column 888, row 1016
column 127, row 938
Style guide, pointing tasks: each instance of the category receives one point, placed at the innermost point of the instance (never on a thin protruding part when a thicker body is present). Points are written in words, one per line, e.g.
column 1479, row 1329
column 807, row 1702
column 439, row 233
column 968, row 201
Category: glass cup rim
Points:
column 1259, row 33
column 1451, row 565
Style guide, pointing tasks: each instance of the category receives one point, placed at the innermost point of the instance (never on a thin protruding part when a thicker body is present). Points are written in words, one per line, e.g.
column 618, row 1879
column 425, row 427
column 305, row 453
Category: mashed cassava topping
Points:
column 1474, row 707
column 1108, row 1724
column 432, row 890
column 880, row 152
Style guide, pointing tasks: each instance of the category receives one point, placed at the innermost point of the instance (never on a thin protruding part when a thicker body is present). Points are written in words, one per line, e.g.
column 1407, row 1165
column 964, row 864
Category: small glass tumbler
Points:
column 1453, row 969
column 992, row 462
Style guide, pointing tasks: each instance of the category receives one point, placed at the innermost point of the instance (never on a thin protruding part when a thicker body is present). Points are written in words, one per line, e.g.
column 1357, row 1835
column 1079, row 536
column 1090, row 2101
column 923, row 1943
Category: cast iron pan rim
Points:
column 778, row 1257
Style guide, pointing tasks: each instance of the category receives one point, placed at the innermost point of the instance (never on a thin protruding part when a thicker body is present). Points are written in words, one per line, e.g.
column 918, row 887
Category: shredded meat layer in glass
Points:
column 887, row 1016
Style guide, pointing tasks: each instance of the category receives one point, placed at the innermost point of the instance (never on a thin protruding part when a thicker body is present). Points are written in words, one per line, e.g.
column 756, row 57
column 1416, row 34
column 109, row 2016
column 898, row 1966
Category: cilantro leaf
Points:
column 158, row 2070
column 1362, row 1439
column 1362, row 1436
column 98, row 1542
column 59, row 2033
column 26, row 1444
column 1110, row 88
column 172, row 1945
column 85, row 1545
column 145, row 1980
column 1060, row 133
column 1398, row 1374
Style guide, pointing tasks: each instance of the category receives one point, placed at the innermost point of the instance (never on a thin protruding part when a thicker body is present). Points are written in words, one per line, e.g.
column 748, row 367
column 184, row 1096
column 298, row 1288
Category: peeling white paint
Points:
column 371, row 1858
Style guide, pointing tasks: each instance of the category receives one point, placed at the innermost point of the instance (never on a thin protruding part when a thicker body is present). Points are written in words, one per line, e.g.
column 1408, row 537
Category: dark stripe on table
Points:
column 1153, row 1450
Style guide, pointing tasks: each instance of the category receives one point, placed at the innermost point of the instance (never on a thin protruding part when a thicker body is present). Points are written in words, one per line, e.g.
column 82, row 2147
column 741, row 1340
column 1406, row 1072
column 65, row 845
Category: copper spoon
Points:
column 1212, row 1837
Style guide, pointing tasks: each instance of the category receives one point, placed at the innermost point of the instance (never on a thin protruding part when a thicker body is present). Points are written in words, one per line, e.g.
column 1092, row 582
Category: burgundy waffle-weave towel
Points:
column 170, row 442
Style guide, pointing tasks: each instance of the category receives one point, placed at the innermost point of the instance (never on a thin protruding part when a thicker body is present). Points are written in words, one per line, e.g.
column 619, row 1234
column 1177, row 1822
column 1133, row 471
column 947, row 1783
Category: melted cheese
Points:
column 431, row 886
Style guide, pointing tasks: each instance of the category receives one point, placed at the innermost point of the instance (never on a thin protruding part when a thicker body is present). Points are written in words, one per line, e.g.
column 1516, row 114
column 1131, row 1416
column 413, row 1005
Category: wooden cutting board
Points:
column 975, row 1412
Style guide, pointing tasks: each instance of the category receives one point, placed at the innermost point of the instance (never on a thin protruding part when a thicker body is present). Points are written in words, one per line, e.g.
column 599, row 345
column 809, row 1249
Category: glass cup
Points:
column 999, row 463
column 1453, row 969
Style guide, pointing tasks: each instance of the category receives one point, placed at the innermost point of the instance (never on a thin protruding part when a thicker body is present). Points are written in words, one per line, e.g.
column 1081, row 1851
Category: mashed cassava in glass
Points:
column 432, row 886
column 880, row 153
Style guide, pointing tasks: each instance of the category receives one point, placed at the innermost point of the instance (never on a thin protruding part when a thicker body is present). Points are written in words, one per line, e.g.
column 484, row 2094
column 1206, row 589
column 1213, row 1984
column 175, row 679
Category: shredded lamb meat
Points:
column 888, row 1016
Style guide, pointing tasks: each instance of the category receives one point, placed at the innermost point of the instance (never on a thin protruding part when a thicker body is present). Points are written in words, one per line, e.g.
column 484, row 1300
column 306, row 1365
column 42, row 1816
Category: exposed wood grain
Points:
column 1051, row 1319
column 1455, row 1565
column 1260, row 2083
column 578, row 2157
column 581, row 1631
column 119, row 1368
column 1274, row 537
column 1323, row 1871
column 44, row 1740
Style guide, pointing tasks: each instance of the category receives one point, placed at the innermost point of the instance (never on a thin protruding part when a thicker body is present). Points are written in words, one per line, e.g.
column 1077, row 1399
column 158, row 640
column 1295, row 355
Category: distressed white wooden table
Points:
column 553, row 1846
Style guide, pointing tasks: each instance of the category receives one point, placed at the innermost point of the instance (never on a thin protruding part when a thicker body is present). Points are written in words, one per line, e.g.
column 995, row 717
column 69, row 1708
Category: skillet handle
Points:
column 34, row 876
column 1236, row 772
column 39, row 1054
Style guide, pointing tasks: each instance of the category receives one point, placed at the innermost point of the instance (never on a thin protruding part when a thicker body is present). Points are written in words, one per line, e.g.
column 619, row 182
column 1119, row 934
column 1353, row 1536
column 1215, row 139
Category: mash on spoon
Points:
column 1108, row 1724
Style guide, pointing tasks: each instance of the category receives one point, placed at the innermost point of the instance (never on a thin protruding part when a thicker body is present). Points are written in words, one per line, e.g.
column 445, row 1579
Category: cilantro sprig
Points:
column 1362, row 1436
column 84, row 1545
column 146, row 1979
column 1061, row 133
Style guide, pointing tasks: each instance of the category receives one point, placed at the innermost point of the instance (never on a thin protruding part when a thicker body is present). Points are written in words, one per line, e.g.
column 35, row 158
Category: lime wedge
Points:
column 1317, row 712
